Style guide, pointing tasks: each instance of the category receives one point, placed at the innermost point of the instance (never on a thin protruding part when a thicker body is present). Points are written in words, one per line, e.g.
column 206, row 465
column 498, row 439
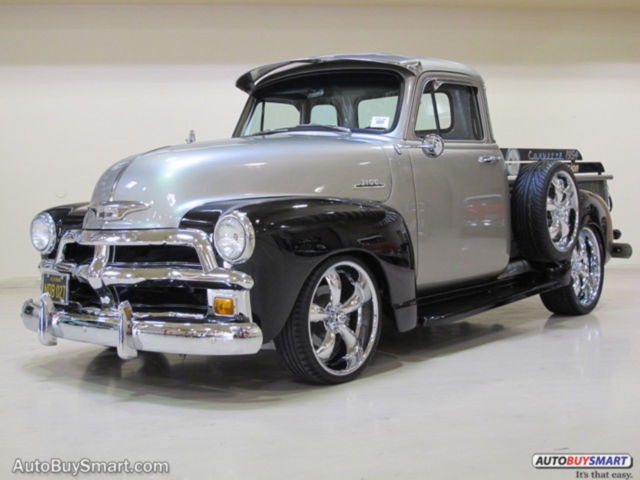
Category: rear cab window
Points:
column 326, row 114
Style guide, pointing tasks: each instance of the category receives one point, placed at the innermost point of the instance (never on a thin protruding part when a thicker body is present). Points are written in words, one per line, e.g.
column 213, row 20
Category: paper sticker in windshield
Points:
column 379, row 122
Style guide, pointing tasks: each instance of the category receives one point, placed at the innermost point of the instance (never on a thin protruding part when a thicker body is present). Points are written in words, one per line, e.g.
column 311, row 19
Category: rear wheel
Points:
column 335, row 325
column 587, row 275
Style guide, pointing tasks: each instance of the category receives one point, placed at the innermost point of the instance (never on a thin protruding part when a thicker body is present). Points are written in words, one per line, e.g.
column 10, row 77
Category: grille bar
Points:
column 102, row 273
column 196, row 239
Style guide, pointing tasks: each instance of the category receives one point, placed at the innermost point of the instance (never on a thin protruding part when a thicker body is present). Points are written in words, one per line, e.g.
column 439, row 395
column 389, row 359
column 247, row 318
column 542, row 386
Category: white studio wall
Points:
column 84, row 86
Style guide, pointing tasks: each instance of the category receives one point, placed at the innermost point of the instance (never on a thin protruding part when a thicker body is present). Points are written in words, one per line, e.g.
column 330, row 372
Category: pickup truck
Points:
column 356, row 190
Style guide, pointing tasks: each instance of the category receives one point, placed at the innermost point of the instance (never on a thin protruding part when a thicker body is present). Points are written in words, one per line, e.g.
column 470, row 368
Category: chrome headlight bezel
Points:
column 240, row 224
column 45, row 226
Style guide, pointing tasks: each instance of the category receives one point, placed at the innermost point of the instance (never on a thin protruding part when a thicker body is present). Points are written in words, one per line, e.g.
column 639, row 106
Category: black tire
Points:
column 572, row 300
column 533, row 222
column 295, row 343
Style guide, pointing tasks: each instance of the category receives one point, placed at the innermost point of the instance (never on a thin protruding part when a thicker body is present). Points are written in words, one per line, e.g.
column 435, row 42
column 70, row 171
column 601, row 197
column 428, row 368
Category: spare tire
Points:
column 545, row 212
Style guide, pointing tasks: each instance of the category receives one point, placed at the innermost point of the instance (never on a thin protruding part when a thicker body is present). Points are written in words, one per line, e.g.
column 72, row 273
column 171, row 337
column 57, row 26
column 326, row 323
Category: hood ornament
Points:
column 112, row 211
column 191, row 138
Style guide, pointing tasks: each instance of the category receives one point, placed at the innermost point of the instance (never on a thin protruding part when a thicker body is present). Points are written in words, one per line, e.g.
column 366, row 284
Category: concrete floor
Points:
column 473, row 400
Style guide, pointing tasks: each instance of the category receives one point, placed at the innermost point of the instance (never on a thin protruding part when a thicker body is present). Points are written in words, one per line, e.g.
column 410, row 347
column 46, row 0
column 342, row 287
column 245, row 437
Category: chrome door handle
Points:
column 489, row 159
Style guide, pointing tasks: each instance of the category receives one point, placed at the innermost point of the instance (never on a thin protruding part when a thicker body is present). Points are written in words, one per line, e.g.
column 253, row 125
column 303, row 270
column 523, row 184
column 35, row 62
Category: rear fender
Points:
column 595, row 211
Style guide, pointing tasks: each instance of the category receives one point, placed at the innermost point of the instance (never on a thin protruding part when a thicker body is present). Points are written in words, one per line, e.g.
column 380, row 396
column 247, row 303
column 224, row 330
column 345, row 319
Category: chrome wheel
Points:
column 343, row 318
column 562, row 211
column 586, row 267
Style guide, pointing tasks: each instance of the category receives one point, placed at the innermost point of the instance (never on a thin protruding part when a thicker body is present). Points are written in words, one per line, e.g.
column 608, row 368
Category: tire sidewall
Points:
column 530, row 213
column 584, row 309
column 299, row 319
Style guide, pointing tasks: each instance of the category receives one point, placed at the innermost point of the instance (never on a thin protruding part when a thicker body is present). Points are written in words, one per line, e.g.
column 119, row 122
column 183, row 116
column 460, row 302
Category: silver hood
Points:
column 170, row 181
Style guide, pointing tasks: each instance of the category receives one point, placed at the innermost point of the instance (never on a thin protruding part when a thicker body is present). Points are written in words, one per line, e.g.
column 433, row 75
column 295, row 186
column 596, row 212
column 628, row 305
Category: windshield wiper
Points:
column 305, row 127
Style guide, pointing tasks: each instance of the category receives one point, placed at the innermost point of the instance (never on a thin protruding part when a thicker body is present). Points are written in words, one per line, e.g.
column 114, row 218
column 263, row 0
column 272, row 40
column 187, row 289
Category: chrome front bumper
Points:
column 130, row 332
column 117, row 325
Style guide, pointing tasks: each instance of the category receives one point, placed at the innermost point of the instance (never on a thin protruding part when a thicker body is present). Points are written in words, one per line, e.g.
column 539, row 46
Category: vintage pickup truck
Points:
column 355, row 189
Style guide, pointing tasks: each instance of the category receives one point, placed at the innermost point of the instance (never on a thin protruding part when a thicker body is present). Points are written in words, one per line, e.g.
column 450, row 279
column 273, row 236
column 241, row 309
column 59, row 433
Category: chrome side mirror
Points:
column 432, row 145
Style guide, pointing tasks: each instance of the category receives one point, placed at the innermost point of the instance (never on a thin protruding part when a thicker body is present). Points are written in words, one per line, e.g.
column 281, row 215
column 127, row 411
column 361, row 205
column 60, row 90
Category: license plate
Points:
column 57, row 286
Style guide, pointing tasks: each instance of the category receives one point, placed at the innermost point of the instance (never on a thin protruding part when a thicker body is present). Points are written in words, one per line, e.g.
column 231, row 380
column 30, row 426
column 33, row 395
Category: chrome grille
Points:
column 174, row 266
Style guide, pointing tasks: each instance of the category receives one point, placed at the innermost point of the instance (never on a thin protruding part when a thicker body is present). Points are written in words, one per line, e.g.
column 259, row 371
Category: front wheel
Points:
column 335, row 325
column 587, row 275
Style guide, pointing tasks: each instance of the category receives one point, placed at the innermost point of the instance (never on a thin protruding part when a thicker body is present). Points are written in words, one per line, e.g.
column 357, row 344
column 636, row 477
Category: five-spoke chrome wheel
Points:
column 562, row 210
column 587, row 274
column 545, row 212
column 586, row 267
column 335, row 325
column 343, row 318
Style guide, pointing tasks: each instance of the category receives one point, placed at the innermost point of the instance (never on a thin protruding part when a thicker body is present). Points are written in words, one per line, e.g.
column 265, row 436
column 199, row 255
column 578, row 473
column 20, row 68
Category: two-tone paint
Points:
column 419, row 222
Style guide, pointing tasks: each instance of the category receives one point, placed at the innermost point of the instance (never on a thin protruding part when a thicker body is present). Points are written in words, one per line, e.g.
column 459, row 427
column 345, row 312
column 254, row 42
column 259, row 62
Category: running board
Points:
column 463, row 302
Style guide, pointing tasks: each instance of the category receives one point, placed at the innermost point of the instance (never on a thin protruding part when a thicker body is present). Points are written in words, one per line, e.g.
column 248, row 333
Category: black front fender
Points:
column 67, row 217
column 295, row 235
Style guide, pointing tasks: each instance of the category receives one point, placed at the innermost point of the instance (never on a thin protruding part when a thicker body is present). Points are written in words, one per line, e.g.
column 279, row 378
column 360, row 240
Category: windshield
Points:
column 365, row 101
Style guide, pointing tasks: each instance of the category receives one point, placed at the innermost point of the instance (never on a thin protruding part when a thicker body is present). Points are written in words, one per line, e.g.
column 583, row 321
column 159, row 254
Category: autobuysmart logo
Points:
column 582, row 460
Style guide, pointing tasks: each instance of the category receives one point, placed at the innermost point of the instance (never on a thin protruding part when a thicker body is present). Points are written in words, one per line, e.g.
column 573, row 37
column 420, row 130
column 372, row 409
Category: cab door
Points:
column 462, row 195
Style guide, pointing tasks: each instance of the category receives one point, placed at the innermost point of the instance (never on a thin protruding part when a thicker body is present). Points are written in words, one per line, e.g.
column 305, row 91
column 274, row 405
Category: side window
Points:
column 426, row 120
column 377, row 113
column 452, row 111
column 324, row 115
column 271, row 115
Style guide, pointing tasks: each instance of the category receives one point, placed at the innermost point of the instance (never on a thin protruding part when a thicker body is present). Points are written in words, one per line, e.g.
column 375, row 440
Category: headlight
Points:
column 234, row 237
column 43, row 233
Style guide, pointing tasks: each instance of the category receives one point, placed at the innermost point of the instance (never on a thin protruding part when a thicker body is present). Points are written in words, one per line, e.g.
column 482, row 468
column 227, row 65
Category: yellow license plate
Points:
column 57, row 286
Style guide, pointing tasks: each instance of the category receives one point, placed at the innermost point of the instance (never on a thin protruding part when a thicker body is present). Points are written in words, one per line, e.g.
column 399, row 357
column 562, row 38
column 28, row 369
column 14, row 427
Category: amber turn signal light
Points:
column 224, row 306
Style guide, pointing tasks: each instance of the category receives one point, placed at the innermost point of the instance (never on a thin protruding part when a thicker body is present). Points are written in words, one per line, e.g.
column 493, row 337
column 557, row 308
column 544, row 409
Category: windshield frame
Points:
column 252, row 101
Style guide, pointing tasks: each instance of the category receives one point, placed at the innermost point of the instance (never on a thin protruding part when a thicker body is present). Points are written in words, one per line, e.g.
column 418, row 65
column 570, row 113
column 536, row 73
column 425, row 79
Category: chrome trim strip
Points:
column 138, row 332
column 139, row 274
column 131, row 276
